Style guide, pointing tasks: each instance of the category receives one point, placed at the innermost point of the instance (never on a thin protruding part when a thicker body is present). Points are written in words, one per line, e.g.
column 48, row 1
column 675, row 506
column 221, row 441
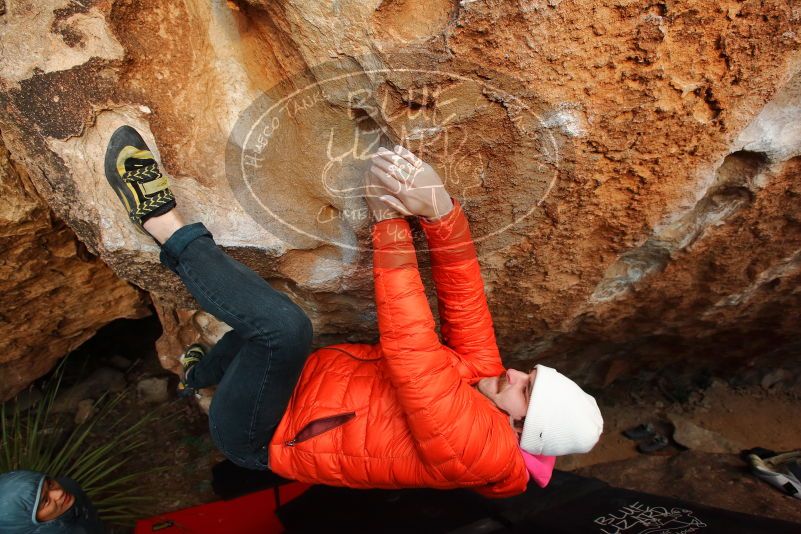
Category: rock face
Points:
column 631, row 171
column 698, row 438
column 54, row 295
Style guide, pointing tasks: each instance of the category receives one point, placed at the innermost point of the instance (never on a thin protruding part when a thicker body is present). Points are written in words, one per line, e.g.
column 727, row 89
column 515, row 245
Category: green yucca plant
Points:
column 30, row 442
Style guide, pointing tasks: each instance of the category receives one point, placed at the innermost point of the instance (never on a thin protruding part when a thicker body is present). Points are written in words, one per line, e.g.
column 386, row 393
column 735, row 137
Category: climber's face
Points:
column 54, row 501
column 510, row 392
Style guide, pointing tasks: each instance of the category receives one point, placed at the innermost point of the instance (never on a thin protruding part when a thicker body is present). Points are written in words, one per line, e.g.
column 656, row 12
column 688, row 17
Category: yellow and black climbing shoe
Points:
column 134, row 175
column 191, row 357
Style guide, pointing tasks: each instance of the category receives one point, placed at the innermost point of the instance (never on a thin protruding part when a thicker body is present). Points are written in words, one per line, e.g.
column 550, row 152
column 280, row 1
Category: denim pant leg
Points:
column 257, row 385
column 209, row 371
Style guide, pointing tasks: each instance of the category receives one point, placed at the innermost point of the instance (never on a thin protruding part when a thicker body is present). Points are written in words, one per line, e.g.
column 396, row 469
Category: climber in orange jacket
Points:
column 409, row 411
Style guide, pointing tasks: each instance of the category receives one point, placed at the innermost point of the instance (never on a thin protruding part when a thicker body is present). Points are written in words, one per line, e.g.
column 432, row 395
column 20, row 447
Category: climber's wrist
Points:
column 442, row 208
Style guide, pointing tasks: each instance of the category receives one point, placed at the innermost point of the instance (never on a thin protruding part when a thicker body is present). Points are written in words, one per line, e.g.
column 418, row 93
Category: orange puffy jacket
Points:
column 404, row 413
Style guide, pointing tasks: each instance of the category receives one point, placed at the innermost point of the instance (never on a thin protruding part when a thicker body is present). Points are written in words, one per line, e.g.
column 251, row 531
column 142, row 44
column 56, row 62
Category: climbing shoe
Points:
column 191, row 356
column 133, row 173
column 642, row 431
column 780, row 470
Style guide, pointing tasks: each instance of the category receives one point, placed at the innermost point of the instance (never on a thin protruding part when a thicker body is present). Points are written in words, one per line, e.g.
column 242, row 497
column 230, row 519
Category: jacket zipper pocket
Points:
column 319, row 426
column 353, row 355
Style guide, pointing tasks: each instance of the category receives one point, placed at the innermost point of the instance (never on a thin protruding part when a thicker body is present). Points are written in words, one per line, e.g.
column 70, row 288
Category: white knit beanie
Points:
column 561, row 418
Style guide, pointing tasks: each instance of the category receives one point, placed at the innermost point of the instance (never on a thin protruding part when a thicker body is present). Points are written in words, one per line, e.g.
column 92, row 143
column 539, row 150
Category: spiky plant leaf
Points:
column 31, row 440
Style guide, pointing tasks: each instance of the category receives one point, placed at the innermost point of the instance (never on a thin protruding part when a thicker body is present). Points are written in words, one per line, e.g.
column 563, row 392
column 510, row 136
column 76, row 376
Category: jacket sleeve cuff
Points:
column 449, row 237
column 393, row 246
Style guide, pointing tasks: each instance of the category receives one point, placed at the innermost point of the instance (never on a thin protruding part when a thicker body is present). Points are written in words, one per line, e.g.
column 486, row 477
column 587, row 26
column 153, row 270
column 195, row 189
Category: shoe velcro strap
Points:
column 151, row 204
column 143, row 174
column 154, row 186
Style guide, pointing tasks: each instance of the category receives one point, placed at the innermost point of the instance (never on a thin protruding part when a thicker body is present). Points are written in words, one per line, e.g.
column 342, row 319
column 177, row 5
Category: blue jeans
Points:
column 257, row 364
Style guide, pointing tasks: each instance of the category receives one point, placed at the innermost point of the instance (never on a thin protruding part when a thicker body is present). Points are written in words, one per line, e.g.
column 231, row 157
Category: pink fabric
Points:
column 539, row 466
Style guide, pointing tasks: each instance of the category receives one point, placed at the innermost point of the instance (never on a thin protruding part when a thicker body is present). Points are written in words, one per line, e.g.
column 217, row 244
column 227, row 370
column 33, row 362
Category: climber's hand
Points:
column 416, row 187
column 377, row 196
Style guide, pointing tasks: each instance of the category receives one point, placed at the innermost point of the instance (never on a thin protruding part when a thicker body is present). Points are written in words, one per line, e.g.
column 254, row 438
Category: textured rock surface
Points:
column 698, row 438
column 631, row 170
column 54, row 295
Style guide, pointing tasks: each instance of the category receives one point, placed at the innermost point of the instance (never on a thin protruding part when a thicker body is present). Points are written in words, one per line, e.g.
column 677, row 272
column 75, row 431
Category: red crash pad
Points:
column 252, row 513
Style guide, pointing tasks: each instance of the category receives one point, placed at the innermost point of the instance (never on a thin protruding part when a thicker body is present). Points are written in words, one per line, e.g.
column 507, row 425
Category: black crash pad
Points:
column 570, row 504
